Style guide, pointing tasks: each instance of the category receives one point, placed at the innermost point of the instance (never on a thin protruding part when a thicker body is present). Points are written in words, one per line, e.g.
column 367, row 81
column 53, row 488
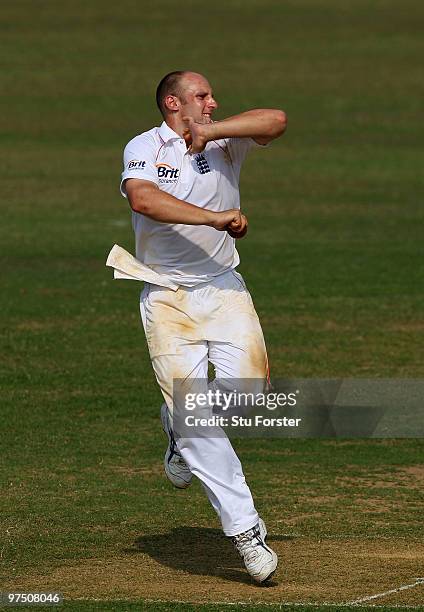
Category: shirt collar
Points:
column 166, row 133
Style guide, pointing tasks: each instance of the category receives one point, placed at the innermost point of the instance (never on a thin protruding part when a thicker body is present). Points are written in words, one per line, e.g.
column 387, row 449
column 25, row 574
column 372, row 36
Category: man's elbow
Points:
column 139, row 204
column 279, row 123
column 274, row 123
column 140, row 198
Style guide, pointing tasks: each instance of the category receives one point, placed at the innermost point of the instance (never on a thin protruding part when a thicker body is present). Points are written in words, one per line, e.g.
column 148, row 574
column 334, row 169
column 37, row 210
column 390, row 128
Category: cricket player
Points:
column 182, row 182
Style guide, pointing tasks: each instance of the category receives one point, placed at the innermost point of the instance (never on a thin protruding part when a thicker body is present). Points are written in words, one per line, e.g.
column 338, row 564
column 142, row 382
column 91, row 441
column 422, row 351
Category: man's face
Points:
column 197, row 100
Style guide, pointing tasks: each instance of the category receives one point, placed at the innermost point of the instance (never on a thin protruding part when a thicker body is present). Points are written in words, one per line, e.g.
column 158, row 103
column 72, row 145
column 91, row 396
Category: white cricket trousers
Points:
column 216, row 322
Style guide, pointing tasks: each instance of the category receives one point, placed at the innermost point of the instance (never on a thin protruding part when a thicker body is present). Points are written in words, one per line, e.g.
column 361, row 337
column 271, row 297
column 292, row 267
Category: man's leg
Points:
column 241, row 365
column 170, row 320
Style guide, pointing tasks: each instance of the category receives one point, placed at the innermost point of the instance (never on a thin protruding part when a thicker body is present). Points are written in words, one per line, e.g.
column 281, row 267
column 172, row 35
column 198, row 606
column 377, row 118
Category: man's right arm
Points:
column 147, row 199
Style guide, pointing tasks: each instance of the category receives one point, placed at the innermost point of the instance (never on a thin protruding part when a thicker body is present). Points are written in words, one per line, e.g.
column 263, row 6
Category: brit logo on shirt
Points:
column 202, row 163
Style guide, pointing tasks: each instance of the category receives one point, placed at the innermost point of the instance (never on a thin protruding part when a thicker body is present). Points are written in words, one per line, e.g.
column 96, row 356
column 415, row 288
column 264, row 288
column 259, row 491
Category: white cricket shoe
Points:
column 176, row 468
column 260, row 560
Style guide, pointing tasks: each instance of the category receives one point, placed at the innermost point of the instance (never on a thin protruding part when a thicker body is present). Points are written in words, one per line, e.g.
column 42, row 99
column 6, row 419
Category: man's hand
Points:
column 222, row 220
column 238, row 229
column 233, row 221
column 194, row 135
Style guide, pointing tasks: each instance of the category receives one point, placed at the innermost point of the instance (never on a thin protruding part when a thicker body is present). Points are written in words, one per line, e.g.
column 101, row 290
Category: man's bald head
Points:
column 172, row 84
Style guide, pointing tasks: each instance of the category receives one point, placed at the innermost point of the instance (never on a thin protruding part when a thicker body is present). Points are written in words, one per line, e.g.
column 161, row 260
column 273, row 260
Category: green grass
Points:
column 120, row 606
column 164, row 607
column 334, row 260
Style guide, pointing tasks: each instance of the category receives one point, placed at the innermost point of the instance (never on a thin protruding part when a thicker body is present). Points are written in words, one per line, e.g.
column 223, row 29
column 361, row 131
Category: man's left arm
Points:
column 261, row 124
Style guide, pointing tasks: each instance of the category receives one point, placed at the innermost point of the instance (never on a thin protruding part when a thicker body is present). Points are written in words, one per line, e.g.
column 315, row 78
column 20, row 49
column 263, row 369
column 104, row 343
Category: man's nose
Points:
column 213, row 103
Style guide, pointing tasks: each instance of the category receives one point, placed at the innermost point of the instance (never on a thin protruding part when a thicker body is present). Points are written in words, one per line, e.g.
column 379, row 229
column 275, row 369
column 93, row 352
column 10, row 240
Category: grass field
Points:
column 334, row 260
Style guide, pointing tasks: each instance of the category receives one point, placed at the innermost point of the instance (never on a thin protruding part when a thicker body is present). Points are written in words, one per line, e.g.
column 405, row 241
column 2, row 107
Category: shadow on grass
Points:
column 197, row 550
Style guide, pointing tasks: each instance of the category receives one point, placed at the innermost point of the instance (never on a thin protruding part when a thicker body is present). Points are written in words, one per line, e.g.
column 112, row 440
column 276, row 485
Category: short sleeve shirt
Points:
column 187, row 254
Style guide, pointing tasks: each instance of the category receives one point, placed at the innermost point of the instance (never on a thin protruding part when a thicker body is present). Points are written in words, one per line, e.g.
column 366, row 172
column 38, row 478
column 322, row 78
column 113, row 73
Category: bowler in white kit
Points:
column 182, row 182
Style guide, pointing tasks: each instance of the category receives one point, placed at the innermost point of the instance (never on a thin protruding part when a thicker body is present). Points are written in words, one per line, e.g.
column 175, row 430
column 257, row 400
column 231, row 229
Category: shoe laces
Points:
column 174, row 453
column 173, row 446
column 245, row 544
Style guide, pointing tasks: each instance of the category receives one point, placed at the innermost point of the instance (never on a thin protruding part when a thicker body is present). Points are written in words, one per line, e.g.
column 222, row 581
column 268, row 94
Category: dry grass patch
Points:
column 199, row 565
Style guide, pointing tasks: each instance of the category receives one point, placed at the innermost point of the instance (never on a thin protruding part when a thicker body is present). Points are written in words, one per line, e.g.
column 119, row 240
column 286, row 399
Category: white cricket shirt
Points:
column 186, row 254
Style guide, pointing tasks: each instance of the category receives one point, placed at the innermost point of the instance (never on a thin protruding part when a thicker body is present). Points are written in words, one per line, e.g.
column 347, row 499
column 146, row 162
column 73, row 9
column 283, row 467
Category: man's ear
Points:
column 172, row 103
